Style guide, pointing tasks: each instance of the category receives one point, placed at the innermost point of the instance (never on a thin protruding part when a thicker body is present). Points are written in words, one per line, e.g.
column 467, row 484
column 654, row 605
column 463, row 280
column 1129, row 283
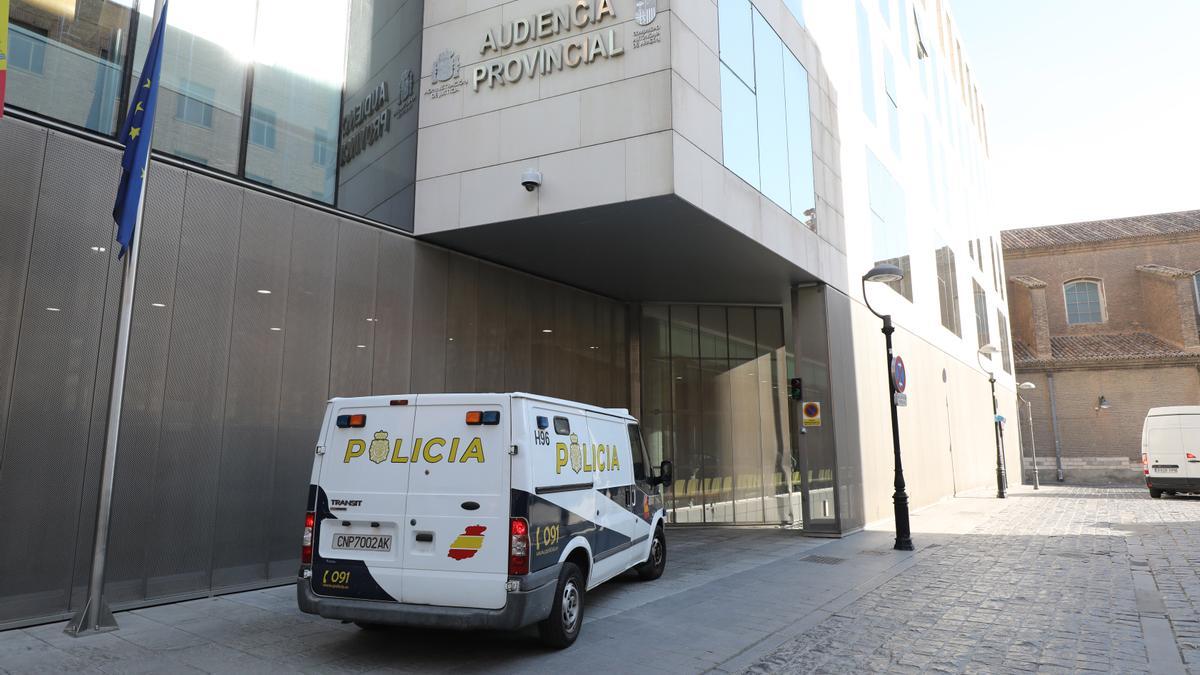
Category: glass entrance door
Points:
column 714, row 402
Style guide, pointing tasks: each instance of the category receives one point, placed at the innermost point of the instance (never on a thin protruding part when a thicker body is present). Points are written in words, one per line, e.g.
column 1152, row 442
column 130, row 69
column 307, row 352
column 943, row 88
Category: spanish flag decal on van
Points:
column 467, row 544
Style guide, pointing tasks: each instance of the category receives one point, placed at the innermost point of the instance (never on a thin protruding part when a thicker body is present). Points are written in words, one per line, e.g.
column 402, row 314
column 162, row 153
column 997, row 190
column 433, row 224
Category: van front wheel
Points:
column 1155, row 493
column 657, row 561
column 561, row 628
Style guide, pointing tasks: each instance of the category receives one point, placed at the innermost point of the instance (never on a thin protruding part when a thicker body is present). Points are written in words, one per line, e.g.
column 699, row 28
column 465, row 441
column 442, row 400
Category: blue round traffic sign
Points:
column 899, row 375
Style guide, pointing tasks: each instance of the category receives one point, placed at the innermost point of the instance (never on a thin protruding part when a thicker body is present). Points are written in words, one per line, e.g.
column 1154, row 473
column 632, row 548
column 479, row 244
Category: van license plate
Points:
column 363, row 542
column 1166, row 469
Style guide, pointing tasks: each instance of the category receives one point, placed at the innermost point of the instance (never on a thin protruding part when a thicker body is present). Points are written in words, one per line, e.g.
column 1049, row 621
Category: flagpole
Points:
column 95, row 615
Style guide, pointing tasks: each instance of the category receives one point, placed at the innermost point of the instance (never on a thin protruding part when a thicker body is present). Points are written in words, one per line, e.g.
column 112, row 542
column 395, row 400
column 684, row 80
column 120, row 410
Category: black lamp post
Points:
column 887, row 274
column 988, row 350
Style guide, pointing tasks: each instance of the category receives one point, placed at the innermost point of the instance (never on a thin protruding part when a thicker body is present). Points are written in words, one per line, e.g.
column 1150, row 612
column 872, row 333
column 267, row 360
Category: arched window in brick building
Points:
column 1085, row 301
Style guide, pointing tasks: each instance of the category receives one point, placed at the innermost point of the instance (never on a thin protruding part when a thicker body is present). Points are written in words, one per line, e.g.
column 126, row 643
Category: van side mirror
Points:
column 666, row 472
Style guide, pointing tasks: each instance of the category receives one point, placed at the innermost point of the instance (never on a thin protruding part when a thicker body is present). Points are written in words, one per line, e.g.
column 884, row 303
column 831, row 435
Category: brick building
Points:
column 1104, row 320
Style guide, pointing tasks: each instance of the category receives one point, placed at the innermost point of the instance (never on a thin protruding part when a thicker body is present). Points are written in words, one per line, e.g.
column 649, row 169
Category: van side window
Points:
column 638, row 452
column 562, row 426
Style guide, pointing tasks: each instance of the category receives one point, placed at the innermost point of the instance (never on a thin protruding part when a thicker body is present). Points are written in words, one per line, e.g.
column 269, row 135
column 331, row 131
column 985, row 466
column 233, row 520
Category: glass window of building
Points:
column 1002, row 326
column 205, row 51
column 891, row 100
column 865, row 64
column 736, row 35
column 889, row 225
column 772, row 116
column 262, row 128
column 885, row 11
column 739, row 127
column 299, row 69
column 1084, row 300
column 903, row 18
column 1196, row 284
column 65, row 59
column 799, row 135
column 982, row 332
column 947, row 277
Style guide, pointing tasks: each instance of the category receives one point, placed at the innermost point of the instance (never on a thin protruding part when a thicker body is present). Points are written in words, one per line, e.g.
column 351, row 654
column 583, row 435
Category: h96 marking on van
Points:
column 477, row 511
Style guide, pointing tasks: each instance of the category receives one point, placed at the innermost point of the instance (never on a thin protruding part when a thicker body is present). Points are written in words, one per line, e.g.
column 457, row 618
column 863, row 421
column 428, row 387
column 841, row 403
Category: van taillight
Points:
column 310, row 519
column 518, row 547
column 1145, row 463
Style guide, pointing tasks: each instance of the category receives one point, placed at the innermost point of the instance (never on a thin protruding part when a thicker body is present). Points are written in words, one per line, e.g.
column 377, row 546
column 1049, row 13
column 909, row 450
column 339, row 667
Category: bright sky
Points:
column 1093, row 106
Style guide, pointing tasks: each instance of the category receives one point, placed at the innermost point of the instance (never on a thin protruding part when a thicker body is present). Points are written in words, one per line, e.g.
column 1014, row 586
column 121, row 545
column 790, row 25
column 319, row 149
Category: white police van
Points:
column 476, row 511
column 1171, row 450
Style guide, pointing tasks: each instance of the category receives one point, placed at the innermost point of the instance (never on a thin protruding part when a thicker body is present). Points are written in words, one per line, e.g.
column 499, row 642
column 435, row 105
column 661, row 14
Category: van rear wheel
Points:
column 561, row 628
column 1155, row 493
column 656, row 563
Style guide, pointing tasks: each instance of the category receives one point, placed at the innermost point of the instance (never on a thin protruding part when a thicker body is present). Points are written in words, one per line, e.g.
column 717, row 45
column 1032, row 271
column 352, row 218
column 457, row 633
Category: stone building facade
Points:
column 1104, row 319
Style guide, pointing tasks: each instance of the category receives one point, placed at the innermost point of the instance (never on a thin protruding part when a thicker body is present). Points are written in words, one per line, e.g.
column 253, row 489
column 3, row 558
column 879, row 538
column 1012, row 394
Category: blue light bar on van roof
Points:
column 491, row 417
column 543, row 422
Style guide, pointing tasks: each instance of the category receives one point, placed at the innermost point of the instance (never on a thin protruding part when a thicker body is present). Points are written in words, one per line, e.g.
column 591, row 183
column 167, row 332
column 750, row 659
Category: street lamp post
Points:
column 888, row 274
column 1032, row 441
column 988, row 350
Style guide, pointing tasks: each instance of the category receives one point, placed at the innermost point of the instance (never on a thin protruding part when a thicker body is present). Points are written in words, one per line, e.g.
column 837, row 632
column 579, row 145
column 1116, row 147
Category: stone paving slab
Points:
column 1061, row 580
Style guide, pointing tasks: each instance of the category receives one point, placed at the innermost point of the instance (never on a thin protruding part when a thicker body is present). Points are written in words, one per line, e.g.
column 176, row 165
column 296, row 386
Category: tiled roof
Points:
column 1165, row 271
column 1134, row 227
column 1110, row 347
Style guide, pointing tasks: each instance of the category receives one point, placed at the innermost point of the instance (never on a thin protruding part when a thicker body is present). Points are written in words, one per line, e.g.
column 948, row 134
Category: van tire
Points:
column 561, row 628
column 656, row 563
column 1155, row 493
column 366, row 625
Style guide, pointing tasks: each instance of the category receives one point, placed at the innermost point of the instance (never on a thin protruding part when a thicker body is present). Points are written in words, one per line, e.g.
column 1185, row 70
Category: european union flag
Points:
column 136, row 135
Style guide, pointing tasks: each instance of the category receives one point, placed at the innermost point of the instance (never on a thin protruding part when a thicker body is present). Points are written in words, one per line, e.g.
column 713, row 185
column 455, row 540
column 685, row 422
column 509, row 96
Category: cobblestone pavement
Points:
column 1060, row 580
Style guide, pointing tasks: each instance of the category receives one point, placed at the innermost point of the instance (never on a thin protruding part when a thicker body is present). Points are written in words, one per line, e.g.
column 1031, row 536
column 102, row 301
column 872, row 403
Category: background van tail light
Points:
column 1145, row 464
column 306, row 550
column 518, row 547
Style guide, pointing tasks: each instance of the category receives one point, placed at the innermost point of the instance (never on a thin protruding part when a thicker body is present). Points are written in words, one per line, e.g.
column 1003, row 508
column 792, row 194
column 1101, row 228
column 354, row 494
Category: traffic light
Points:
column 796, row 389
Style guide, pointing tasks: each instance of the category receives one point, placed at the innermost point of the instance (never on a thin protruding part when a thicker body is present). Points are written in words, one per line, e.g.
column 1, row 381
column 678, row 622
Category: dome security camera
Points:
column 531, row 179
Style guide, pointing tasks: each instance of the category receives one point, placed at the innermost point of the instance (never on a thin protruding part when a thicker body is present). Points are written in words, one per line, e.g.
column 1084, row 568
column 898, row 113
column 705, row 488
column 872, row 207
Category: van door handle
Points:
column 425, row 537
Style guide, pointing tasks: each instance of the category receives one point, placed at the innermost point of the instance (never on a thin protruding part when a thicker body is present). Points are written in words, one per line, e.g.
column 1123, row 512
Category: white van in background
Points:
column 1171, row 450
column 476, row 511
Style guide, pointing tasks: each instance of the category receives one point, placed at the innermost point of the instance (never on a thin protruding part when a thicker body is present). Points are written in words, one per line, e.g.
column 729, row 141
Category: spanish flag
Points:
column 3, row 50
column 467, row 544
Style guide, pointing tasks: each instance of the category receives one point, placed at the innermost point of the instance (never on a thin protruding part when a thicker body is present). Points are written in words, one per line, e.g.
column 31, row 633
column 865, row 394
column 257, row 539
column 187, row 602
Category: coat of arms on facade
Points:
column 446, row 66
column 645, row 11
column 407, row 86
column 379, row 447
column 576, row 454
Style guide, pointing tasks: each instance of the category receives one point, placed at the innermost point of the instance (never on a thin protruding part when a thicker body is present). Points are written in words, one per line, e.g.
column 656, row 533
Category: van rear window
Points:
column 562, row 426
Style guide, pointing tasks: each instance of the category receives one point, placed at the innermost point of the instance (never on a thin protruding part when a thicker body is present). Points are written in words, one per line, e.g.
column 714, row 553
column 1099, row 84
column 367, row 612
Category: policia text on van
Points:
column 476, row 511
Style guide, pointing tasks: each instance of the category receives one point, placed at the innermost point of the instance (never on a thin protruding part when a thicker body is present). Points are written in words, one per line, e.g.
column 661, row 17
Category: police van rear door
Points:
column 362, row 498
column 456, row 550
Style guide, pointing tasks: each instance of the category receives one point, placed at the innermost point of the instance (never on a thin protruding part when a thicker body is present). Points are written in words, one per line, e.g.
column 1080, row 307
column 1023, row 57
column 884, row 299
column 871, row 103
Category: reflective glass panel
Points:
column 205, row 51
column 1002, row 326
column 736, row 35
column 947, row 277
column 739, row 127
column 299, row 57
column 889, row 227
column 772, row 116
column 865, row 64
column 799, row 135
column 982, row 333
column 65, row 59
column 796, row 10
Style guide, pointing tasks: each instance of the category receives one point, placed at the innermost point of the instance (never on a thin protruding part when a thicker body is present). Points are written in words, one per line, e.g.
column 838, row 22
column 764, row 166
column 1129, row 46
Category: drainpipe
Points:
column 1054, row 419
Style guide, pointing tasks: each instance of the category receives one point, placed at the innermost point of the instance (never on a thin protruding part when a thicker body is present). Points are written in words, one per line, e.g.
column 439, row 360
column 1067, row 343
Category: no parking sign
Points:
column 811, row 413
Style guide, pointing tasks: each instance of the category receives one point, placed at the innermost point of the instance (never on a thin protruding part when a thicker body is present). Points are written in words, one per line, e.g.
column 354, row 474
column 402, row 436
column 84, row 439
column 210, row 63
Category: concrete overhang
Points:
column 655, row 249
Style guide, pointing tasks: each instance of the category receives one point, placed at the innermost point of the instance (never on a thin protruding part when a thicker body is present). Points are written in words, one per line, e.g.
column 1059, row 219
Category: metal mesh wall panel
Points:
column 145, row 384
column 354, row 310
column 519, row 329
column 431, row 270
column 180, row 531
column 393, row 316
column 490, row 341
column 24, row 146
column 306, row 351
column 461, row 323
column 252, row 393
column 53, row 384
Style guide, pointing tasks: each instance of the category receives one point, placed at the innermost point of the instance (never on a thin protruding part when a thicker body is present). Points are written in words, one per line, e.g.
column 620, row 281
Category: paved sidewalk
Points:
column 1064, row 579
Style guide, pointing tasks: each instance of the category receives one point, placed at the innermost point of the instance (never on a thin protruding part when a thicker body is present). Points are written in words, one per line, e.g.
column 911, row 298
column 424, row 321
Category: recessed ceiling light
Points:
column 452, row 339
column 547, row 330
column 361, row 346
column 276, row 328
column 157, row 304
column 264, row 291
column 53, row 309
